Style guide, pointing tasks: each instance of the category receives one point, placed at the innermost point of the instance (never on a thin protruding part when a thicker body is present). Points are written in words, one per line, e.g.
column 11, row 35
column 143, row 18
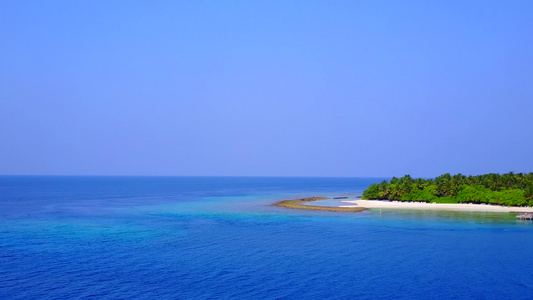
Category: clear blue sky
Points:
column 274, row 88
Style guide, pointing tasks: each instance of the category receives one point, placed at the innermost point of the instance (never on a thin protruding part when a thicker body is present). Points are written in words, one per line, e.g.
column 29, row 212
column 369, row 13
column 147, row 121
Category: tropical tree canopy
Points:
column 508, row 189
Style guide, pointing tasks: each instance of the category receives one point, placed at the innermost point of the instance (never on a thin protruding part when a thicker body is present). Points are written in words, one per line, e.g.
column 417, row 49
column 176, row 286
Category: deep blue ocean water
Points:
column 218, row 238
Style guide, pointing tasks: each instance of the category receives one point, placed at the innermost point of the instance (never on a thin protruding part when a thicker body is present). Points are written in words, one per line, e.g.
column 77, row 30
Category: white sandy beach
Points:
column 433, row 206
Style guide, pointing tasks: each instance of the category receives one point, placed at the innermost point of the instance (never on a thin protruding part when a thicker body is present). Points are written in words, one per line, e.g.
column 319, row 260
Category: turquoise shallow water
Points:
column 218, row 238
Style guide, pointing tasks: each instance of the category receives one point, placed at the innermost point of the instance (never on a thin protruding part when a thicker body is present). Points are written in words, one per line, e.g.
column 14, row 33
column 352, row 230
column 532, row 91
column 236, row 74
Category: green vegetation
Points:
column 297, row 204
column 508, row 189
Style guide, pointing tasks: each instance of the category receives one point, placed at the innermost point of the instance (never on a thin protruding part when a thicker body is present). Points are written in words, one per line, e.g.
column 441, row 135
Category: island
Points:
column 511, row 193
column 297, row 204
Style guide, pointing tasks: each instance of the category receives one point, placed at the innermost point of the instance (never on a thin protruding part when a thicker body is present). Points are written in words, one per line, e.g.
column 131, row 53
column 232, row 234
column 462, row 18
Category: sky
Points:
column 266, row 88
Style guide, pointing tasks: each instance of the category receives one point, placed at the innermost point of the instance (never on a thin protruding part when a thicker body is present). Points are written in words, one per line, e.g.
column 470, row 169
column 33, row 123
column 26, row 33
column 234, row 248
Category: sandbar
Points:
column 435, row 206
column 297, row 204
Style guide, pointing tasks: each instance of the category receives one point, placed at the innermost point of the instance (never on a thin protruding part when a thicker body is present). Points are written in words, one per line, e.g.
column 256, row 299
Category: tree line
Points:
column 508, row 189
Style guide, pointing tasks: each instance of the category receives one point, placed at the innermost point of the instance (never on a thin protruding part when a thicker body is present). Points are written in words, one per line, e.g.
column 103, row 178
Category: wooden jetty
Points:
column 525, row 216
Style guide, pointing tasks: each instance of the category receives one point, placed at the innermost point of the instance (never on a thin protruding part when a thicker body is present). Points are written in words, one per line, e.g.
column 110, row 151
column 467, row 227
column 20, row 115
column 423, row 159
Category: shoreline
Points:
column 359, row 205
column 370, row 204
column 297, row 204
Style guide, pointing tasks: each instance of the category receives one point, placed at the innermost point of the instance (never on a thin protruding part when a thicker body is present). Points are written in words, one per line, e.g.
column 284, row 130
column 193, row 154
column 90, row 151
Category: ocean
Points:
column 219, row 238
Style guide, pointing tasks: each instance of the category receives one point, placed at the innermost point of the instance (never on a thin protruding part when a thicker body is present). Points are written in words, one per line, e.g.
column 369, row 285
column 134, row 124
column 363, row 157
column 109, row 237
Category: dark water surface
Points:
column 218, row 238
